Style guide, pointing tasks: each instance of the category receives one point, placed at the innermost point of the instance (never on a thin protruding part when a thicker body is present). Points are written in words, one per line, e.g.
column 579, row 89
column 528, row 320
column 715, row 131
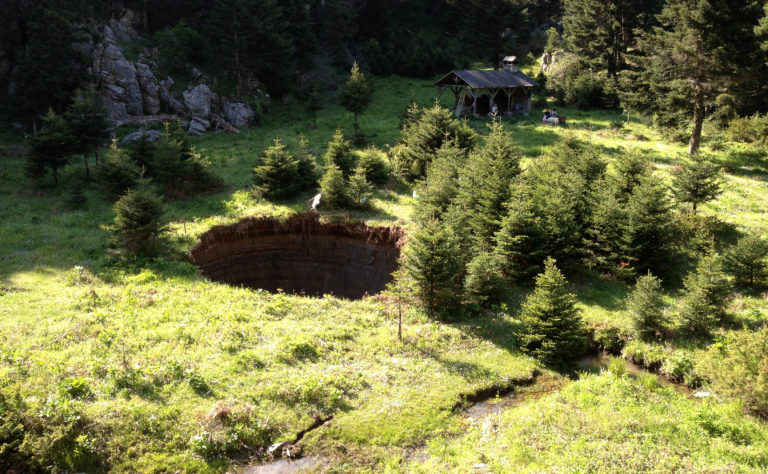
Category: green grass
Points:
column 171, row 372
column 604, row 423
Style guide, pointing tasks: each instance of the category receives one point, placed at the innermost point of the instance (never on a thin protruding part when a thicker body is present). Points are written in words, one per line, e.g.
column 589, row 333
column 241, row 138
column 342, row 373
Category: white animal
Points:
column 316, row 201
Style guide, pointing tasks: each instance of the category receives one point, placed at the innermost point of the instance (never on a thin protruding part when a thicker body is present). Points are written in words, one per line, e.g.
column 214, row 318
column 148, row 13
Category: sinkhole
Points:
column 301, row 255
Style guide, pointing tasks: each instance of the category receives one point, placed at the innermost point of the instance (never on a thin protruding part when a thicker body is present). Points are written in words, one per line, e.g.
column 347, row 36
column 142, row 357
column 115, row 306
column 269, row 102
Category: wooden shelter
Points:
column 478, row 91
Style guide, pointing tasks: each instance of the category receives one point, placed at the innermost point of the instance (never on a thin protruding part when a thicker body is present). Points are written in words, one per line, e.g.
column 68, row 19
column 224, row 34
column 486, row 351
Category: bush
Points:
column 137, row 222
column 373, row 162
column 738, row 368
column 339, row 153
column 360, row 190
column 552, row 329
column 646, row 308
column 702, row 307
column 748, row 129
column 277, row 175
column 485, row 283
column 333, row 187
column 746, row 260
column 117, row 173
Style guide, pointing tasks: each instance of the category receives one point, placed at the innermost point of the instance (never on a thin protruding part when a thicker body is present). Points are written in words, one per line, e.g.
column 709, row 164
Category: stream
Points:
column 492, row 405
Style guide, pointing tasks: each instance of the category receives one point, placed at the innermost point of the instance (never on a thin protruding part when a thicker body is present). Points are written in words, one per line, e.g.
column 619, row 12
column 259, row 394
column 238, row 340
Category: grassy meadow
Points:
column 144, row 366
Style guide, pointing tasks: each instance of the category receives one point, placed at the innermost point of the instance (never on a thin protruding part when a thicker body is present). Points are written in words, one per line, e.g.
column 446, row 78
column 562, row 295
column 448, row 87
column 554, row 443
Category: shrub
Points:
column 703, row 304
column 118, row 173
column 746, row 260
column 372, row 161
column 617, row 366
column 552, row 329
column 738, row 368
column 646, row 307
column 748, row 129
column 360, row 190
column 485, row 281
column 339, row 153
column 75, row 387
column 277, row 174
column 420, row 140
column 333, row 187
column 697, row 180
column 137, row 222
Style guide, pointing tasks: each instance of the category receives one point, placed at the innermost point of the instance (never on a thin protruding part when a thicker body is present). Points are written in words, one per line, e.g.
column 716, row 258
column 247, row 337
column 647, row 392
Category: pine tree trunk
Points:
column 87, row 168
column 55, row 176
column 355, row 123
column 698, row 121
column 96, row 154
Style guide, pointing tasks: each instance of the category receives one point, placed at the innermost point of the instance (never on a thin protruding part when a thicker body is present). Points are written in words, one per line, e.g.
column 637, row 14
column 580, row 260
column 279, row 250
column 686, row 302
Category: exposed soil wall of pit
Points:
column 301, row 255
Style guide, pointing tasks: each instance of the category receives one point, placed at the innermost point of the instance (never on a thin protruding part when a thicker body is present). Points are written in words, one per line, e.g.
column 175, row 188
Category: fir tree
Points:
column 521, row 242
column 646, row 308
column 307, row 166
column 694, row 55
column 485, row 282
column 356, row 93
column 433, row 261
column 648, row 233
column 49, row 69
column 249, row 40
column 552, row 330
column 339, row 153
column 696, row 181
column 441, row 184
column 88, row 121
column 52, row 147
column 333, row 187
column 747, row 261
column 485, row 184
column 360, row 190
column 601, row 31
column 702, row 306
column 143, row 153
column 137, row 224
column 313, row 101
column 277, row 174
column 420, row 141
column 118, row 173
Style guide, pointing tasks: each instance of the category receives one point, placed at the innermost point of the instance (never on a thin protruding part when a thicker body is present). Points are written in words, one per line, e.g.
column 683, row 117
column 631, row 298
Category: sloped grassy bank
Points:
column 158, row 369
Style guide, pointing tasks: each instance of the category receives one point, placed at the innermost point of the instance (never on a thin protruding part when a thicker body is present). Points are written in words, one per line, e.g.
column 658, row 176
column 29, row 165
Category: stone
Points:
column 702, row 394
column 151, row 135
column 276, row 450
column 150, row 88
column 167, row 101
column 198, row 126
column 198, row 101
column 239, row 114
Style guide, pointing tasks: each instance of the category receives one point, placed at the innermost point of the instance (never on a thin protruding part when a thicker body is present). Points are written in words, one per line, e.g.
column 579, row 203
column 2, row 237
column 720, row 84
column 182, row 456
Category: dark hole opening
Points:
column 301, row 255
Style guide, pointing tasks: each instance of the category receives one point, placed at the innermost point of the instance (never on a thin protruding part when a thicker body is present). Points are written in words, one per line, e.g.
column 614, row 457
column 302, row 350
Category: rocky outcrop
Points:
column 198, row 126
column 151, row 136
column 132, row 93
column 239, row 114
column 198, row 101
column 150, row 89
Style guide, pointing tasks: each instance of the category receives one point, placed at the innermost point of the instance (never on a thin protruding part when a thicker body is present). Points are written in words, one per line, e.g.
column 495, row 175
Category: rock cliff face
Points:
column 132, row 93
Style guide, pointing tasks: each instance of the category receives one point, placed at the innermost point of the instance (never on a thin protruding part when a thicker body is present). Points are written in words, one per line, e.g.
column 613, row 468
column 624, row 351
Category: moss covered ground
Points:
column 145, row 366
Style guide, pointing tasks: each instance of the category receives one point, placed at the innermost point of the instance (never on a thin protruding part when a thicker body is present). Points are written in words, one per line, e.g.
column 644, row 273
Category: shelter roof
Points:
column 486, row 79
